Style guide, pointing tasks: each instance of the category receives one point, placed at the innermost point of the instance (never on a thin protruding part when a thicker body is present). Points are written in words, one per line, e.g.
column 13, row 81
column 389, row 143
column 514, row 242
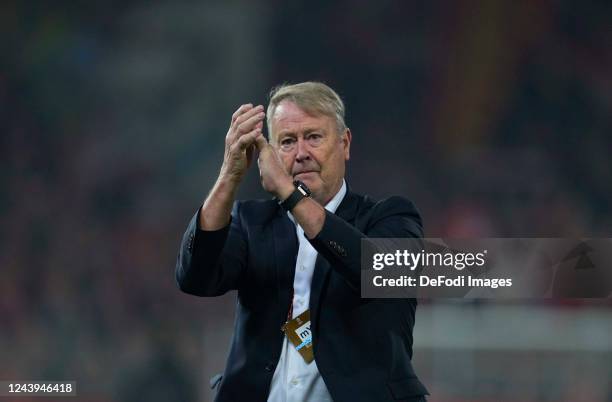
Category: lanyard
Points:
column 290, row 312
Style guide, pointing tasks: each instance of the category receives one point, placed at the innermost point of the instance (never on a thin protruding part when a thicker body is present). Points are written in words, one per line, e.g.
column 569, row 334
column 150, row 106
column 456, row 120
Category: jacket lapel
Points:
column 285, row 253
column 347, row 211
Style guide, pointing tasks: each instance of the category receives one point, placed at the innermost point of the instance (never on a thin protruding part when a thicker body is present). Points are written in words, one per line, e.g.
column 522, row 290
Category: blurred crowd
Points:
column 493, row 117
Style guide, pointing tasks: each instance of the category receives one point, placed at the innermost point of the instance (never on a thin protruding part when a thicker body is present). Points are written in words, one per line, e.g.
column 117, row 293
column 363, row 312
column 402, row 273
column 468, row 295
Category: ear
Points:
column 346, row 143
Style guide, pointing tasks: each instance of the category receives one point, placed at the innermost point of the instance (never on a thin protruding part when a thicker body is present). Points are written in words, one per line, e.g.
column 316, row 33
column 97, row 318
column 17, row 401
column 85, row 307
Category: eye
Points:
column 287, row 144
column 287, row 141
column 314, row 138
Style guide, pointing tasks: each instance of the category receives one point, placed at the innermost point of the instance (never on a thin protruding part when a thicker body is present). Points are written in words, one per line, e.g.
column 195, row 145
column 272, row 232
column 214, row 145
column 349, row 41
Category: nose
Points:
column 302, row 152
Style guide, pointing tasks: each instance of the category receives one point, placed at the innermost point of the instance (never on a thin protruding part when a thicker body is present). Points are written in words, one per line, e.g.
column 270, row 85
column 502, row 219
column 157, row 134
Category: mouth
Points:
column 304, row 172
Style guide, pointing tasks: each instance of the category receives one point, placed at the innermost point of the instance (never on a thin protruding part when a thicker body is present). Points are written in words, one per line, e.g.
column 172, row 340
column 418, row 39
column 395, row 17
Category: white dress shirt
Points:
column 294, row 380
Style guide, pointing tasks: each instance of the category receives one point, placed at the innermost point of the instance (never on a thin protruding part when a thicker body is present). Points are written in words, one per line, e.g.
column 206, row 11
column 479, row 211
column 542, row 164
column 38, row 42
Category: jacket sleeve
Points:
column 210, row 263
column 340, row 242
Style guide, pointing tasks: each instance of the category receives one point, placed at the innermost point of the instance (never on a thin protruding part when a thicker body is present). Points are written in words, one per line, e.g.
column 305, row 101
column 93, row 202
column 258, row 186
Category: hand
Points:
column 274, row 177
column 245, row 128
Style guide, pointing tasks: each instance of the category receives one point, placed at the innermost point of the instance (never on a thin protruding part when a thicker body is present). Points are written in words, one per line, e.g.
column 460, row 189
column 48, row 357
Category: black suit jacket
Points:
column 363, row 347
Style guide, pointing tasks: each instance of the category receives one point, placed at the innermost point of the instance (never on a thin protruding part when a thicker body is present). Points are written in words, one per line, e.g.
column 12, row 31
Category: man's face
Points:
column 311, row 149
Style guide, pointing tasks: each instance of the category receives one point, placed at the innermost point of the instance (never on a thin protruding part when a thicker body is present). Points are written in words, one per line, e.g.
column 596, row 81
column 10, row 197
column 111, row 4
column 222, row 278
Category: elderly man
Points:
column 302, row 331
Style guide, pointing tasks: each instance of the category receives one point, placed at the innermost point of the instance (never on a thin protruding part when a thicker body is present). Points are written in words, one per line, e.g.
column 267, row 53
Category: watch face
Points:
column 302, row 188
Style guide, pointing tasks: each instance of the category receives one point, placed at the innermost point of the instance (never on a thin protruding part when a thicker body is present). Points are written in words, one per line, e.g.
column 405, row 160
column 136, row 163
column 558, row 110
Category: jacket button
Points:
column 190, row 243
column 337, row 248
column 269, row 367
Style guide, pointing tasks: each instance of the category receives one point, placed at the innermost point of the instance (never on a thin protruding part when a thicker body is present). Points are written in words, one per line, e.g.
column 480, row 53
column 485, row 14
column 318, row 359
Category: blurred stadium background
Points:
column 493, row 116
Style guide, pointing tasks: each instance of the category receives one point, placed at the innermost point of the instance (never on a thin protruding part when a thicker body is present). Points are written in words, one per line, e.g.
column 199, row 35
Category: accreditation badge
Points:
column 298, row 332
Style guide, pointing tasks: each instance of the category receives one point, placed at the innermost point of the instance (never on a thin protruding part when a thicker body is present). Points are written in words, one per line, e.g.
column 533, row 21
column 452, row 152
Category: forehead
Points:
column 289, row 117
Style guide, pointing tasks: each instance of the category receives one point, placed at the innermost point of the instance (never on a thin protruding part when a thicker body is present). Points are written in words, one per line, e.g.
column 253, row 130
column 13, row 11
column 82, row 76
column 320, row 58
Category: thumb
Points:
column 261, row 142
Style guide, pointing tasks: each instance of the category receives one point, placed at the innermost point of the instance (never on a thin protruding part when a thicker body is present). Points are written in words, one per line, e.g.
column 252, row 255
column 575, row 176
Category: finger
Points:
column 242, row 109
column 248, row 139
column 247, row 115
column 250, row 124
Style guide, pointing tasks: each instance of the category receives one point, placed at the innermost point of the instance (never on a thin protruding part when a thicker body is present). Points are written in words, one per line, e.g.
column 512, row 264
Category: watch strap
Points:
column 301, row 191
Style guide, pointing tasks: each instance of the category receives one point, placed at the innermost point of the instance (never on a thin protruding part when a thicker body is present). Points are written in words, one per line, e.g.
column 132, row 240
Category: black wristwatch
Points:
column 301, row 191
